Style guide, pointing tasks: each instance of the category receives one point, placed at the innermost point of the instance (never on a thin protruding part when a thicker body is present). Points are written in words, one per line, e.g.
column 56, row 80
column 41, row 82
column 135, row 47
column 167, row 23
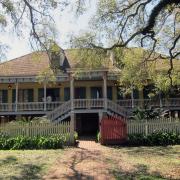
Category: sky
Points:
column 66, row 23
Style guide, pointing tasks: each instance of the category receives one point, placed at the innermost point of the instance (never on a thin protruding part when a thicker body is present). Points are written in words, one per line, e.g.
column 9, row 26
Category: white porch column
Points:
column 72, row 126
column 160, row 100
column 100, row 117
column 16, row 101
column 72, row 91
column 45, row 99
column 105, row 89
column 132, row 99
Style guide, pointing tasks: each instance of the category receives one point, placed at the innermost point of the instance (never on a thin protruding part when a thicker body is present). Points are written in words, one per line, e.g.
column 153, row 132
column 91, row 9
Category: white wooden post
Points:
column 176, row 114
column 132, row 97
column 16, row 101
column 100, row 116
column 146, row 128
column 160, row 100
column 45, row 99
column 105, row 89
column 72, row 91
column 72, row 127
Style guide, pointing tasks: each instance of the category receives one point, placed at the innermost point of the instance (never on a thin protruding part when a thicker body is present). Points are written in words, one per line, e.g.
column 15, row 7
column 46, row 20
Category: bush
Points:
column 20, row 142
column 75, row 136
column 154, row 139
column 98, row 137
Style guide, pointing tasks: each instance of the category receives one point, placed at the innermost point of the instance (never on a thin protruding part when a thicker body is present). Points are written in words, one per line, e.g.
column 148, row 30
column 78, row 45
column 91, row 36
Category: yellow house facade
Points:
column 35, row 85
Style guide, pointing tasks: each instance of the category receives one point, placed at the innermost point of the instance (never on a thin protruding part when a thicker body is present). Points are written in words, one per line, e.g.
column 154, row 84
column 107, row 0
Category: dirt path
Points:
column 85, row 162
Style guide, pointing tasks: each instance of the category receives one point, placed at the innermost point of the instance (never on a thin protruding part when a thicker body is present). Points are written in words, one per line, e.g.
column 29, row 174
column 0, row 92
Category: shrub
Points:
column 154, row 139
column 20, row 142
column 98, row 137
column 75, row 136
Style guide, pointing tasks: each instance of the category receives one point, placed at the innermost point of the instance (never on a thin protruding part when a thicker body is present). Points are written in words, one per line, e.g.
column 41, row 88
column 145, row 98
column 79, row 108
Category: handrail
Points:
column 171, row 102
column 62, row 109
column 88, row 103
column 29, row 106
column 117, row 108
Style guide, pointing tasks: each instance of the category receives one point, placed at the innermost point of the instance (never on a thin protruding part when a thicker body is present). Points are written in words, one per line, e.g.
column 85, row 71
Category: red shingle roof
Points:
column 27, row 65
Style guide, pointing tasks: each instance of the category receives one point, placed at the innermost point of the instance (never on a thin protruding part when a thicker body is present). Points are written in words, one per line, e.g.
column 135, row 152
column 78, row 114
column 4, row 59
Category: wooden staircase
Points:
column 87, row 106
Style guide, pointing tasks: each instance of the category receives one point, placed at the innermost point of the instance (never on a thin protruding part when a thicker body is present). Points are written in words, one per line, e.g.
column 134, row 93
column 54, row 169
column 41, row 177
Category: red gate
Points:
column 113, row 130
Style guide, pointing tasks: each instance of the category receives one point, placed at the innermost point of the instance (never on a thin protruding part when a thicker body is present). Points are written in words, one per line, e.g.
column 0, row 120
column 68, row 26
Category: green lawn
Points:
column 126, row 163
column 28, row 164
column 147, row 163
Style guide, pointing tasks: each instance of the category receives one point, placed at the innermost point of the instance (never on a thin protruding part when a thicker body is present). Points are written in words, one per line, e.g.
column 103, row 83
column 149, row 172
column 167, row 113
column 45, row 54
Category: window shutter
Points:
column 109, row 92
column 30, row 95
column 66, row 94
column 40, row 94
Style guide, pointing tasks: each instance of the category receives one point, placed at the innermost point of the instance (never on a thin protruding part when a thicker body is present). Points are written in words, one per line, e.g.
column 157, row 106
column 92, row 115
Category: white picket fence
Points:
column 153, row 125
column 33, row 129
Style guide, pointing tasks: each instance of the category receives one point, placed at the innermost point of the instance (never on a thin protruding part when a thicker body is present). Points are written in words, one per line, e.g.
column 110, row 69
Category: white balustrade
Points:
column 28, row 106
column 59, row 111
column 5, row 107
column 88, row 103
column 116, row 108
column 171, row 102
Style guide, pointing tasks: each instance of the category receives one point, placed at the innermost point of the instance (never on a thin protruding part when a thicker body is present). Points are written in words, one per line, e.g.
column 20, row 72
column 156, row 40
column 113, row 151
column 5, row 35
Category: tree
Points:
column 151, row 24
column 32, row 18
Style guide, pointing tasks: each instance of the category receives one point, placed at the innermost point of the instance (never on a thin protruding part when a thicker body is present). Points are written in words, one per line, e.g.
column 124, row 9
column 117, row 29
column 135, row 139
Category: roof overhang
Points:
column 28, row 79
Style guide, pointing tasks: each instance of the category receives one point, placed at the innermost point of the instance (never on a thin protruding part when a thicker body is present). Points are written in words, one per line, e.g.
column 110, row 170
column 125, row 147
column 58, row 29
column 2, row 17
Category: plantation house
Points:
column 60, row 88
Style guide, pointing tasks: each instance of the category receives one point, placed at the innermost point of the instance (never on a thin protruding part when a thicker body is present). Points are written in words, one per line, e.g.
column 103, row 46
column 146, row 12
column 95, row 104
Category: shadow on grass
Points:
column 78, row 159
column 141, row 173
column 28, row 171
column 169, row 151
column 77, row 166
column 8, row 160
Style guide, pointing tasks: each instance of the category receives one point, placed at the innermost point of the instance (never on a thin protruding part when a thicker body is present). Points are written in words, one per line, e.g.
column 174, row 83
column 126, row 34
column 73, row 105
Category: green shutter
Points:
column 4, row 96
column 135, row 94
column 66, row 94
column 109, row 92
column 13, row 95
column 30, row 95
column 56, row 96
column 40, row 94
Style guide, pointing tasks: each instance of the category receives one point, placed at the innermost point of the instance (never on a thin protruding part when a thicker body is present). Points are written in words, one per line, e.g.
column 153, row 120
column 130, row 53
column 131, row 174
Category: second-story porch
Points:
column 25, row 96
column 44, row 107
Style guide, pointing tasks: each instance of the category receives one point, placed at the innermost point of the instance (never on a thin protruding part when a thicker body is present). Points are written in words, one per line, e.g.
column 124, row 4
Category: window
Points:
column 24, row 95
column 119, row 93
column 136, row 94
column 54, row 93
column 3, row 96
column 80, row 93
column 148, row 89
column 96, row 92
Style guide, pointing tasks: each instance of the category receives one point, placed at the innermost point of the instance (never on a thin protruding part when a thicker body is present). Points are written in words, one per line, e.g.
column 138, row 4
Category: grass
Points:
column 145, row 163
column 130, row 163
column 28, row 164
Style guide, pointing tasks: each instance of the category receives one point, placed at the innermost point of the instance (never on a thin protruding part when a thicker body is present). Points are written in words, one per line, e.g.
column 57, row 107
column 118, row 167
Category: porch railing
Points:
column 103, row 104
column 171, row 102
column 29, row 106
column 88, row 104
